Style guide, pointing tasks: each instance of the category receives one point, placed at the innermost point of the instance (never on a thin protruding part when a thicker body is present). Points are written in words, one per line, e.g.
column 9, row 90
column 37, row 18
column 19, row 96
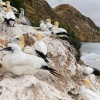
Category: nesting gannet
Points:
column 19, row 40
column 24, row 20
column 48, row 24
column 86, row 93
column 40, row 47
column 13, row 8
column 9, row 17
column 43, row 25
column 58, row 31
column 19, row 63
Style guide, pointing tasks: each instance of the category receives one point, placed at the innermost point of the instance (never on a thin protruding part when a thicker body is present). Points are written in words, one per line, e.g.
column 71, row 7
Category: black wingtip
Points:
column 51, row 70
column 96, row 72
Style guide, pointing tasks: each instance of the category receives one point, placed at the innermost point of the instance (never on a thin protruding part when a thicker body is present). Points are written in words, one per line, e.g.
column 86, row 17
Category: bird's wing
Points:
column 27, row 20
column 92, row 95
column 14, row 9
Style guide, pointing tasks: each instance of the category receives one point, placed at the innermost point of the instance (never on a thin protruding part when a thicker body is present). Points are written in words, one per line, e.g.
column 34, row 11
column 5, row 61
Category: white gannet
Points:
column 43, row 26
column 19, row 63
column 48, row 24
column 58, row 31
column 23, row 19
column 13, row 8
column 19, row 40
column 40, row 47
column 86, row 93
column 9, row 17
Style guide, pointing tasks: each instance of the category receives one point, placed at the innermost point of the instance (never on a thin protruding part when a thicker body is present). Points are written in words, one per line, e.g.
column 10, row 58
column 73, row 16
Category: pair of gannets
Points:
column 20, row 63
column 39, row 46
column 87, row 93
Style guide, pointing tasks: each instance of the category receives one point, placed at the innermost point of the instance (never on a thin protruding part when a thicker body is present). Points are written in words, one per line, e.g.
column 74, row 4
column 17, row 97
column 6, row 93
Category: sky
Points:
column 89, row 8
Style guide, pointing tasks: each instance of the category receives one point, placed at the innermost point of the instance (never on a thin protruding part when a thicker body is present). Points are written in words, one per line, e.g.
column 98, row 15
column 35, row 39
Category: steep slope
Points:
column 83, row 26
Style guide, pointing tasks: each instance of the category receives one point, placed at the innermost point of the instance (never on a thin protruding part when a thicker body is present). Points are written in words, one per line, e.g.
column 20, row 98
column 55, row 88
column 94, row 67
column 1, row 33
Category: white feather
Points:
column 40, row 46
column 49, row 25
column 58, row 30
column 10, row 15
column 88, row 70
column 43, row 26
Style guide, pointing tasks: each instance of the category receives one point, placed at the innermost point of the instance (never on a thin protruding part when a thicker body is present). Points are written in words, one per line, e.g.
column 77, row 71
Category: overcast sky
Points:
column 89, row 8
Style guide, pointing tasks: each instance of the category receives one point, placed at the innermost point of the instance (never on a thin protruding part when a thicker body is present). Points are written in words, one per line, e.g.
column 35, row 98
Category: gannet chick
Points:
column 43, row 26
column 19, row 63
column 48, row 24
column 19, row 40
column 13, row 8
column 23, row 19
column 86, row 93
column 40, row 47
column 10, row 17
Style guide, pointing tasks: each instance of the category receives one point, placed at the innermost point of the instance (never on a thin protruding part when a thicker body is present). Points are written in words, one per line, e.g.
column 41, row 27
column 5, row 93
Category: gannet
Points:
column 48, row 24
column 89, row 70
column 19, row 63
column 9, row 17
column 24, row 20
column 58, row 31
column 40, row 47
column 19, row 40
column 43, row 25
column 86, row 93
column 13, row 8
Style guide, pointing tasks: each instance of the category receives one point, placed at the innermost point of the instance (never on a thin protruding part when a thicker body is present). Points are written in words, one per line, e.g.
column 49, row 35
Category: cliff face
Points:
column 83, row 26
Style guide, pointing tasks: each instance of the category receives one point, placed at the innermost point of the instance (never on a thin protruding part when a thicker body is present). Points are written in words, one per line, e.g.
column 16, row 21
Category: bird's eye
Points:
column 17, row 39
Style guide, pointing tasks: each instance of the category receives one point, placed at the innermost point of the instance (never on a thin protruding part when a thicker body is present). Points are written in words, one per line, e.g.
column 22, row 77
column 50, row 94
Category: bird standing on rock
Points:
column 48, row 24
column 19, row 63
column 9, row 17
column 40, row 47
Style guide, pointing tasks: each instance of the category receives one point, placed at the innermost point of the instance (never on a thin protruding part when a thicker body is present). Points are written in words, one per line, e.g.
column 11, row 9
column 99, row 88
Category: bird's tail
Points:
column 46, row 60
column 51, row 70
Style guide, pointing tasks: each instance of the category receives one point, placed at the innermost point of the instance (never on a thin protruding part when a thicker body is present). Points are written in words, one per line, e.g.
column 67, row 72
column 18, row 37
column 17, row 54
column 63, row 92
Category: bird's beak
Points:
column 6, row 49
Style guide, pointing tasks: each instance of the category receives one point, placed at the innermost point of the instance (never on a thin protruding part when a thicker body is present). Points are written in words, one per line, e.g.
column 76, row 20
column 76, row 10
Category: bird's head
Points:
column 19, row 40
column 48, row 20
column 7, row 2
column 9, row 8
column 21, row 9
column 39, row 37
column 56, row 23
column 87, row 82
column 0, row 4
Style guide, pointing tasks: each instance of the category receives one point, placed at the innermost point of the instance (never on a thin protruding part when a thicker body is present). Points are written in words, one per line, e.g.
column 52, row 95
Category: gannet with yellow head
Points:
column 48, row 24
column 58, row 31
column 20, row 63
column 40, row 47
column 19, row 40
column 10, row 17
column 86, row 93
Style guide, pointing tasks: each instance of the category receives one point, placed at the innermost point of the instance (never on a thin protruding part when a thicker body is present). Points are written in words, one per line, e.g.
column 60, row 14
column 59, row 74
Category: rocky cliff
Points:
column 42, row 85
